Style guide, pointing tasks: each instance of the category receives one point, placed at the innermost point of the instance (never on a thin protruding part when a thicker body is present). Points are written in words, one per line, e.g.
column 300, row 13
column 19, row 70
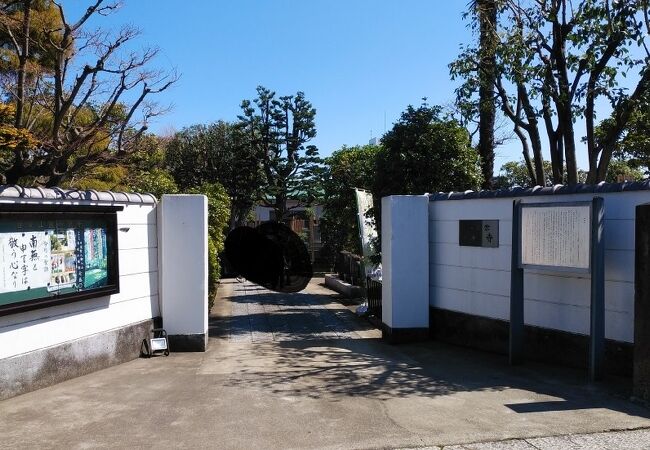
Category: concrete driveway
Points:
column 301, row 371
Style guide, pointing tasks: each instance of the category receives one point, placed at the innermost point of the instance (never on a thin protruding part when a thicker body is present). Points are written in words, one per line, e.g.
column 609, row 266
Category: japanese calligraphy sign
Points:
column 24, row 260
column 556, row 235
column 478, row 233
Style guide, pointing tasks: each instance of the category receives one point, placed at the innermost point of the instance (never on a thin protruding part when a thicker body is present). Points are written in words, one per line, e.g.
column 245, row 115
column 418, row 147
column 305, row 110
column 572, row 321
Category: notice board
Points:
column 556, row 236
column 54, row 254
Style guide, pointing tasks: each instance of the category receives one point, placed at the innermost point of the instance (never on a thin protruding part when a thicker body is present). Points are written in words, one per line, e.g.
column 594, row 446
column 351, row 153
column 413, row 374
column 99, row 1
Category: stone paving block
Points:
column 257, row 336
column 500, row 445
column 255, row 308
column 554, row 442
column 239, row 309
column 282, row 337
column 301, row 316
column 514, row 444
column 241, row 337
column 423, row 448
column 632, row 440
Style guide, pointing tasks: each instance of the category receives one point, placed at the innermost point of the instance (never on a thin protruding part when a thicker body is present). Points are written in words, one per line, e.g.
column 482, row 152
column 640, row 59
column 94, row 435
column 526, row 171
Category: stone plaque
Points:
column 478, row 233
column 556, row 235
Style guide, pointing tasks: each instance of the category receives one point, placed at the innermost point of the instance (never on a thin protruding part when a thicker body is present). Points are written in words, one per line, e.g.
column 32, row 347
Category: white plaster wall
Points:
column 405, row 282
column 137, row 300
column 477, row 280
column 183, row 234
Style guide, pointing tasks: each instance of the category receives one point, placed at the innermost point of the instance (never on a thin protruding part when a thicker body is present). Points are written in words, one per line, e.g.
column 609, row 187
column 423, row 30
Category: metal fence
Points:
column 373, row 292
column 348, row 268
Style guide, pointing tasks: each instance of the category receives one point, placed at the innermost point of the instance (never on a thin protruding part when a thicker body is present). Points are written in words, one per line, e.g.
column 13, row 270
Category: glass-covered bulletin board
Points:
column 51, row 254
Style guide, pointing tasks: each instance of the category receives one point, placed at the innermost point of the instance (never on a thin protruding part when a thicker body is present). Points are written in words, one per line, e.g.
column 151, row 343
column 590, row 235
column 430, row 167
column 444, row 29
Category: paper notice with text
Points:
column 556, row 236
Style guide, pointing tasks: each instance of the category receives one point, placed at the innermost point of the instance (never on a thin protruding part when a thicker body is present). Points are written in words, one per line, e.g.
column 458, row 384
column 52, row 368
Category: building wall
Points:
column 476, row 281
column 44, row 346
column 137, row 300
column 263, row 213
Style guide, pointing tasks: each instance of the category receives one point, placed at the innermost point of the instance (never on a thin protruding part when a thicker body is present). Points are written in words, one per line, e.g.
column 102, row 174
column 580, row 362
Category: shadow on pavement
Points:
column 295, row 316
column 313, row 361
column 370, row 368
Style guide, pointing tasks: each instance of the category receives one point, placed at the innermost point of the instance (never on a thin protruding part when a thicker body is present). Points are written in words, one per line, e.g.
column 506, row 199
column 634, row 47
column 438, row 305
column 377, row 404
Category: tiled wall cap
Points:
column 558, row 189
column 55, row 193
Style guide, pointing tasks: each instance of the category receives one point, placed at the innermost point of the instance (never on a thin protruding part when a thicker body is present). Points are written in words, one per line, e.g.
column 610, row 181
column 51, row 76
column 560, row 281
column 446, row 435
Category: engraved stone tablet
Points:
column 478, row 233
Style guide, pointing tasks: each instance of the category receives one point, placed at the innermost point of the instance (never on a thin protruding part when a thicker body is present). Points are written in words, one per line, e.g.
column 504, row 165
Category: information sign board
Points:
column 556, row 236
column 559, row 237
column 53, row 254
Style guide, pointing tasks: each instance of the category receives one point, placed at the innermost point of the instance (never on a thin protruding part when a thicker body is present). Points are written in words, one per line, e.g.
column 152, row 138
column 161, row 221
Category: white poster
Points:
column 366, row 227
column 556, row 236
column 63, row 259
column 24, row 261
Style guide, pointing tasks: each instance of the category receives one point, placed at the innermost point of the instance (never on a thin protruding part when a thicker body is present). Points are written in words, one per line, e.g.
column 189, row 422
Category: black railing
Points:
column 348, row 268
column 373, row 292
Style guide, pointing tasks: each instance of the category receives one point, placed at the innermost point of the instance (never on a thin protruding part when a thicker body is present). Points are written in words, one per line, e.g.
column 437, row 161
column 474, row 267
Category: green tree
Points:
column 346, row 169
column 555, row 60
column 143, row 171
column 485, row 13
column 147, row 169
column 74, row 89
column 279, row 130
column 425, row 152
column 515, row 173
column 621, row 170
column 100, row 178
column 633, row 146
column 219, row 153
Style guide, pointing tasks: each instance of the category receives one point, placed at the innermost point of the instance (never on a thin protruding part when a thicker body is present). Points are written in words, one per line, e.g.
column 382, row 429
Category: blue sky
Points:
column 357, row 61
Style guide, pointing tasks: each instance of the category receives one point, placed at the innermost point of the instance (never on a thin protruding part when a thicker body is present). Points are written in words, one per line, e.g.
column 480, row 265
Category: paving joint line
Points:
column 495, row 441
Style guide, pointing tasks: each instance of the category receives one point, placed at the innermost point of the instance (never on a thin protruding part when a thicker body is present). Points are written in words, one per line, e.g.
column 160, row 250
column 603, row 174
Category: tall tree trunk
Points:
column 569, row 146
column 592, row 153
column 536, row 144
column 526, row 152
column 556, row 146
column 487, row 16
column 532, row 128
column 280, row 207
column 564, row 107
column 233, row 217
column 22, row 63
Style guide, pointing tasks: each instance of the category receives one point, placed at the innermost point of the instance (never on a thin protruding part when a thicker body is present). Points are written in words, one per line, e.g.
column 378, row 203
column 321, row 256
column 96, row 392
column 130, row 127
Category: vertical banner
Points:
column 367, row 230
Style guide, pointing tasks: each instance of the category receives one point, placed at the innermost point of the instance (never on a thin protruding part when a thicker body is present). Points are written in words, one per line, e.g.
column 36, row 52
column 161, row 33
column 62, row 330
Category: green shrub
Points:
column 346, row 169
column 218, row 217
column 214, row 272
